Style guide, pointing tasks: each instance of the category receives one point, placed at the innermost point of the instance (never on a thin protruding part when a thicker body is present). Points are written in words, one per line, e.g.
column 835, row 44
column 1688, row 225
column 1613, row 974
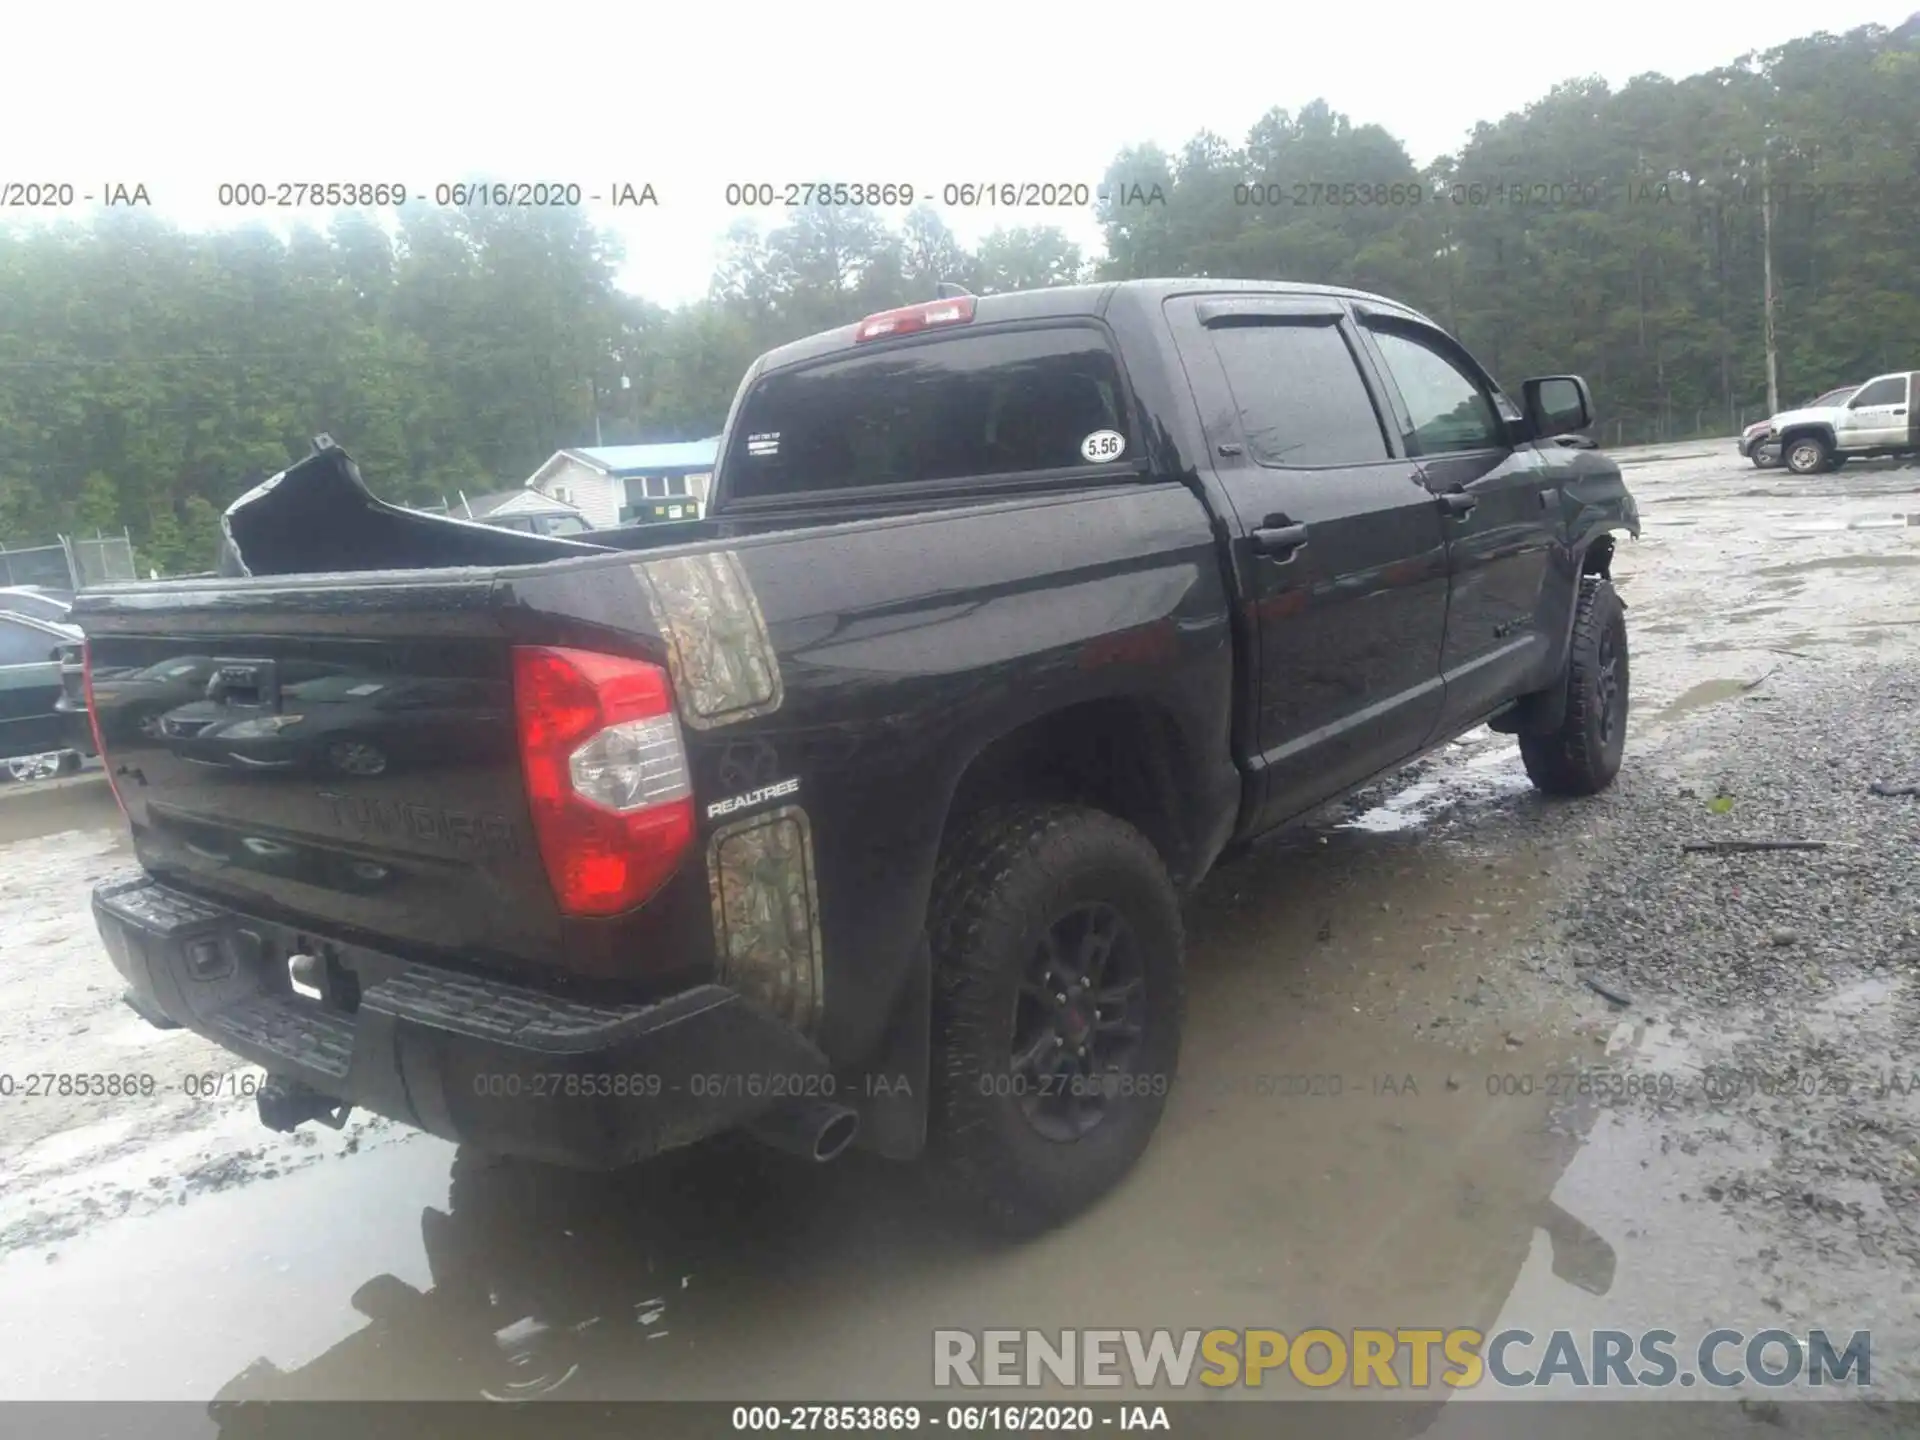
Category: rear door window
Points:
column 1298, row 389
column 1006, row 403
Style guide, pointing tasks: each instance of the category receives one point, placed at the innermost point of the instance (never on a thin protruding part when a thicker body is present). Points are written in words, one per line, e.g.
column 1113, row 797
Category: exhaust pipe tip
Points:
column 818, row 1131
column 835, row 1136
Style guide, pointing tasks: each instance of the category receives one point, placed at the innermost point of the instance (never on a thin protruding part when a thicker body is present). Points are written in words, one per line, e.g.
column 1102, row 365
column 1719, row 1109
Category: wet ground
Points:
column 1380, row 1120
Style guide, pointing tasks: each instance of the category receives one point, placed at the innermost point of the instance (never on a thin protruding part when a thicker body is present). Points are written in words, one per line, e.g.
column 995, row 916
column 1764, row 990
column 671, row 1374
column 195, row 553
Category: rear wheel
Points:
column 34, row 767
column 1583, row 755
column 1059, row 995
column 1807, row 454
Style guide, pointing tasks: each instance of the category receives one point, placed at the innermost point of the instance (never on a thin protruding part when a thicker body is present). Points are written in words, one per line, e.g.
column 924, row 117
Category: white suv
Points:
column 1880, row 419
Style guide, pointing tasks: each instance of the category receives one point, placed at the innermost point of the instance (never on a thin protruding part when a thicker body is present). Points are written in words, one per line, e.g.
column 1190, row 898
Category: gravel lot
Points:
column 1751, row 1143
column 1744, row 1149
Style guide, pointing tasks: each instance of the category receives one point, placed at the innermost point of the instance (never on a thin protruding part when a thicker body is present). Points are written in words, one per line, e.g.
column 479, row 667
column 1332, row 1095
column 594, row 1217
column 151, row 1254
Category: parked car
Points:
column 36, row 601
column 1757, row 442
column 1879, row 418
column 861, row 809
column 34, row 735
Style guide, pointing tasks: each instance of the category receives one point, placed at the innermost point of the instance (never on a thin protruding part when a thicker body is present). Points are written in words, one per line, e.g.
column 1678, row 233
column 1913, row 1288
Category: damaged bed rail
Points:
column 318, row 517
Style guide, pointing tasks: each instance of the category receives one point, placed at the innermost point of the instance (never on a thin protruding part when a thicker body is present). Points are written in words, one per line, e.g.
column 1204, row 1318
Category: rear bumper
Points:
column 509, row 1069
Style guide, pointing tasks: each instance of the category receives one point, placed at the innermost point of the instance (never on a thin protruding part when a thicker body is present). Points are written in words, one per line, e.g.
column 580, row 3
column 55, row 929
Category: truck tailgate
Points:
column 344, row 748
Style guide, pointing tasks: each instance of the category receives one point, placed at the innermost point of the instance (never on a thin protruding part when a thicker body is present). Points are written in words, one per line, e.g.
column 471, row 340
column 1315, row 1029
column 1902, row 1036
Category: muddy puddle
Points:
column 33, row 808
column 1707, row 692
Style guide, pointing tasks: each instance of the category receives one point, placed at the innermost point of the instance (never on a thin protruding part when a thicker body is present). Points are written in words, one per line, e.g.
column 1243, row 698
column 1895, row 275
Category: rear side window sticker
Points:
column 1103, row 446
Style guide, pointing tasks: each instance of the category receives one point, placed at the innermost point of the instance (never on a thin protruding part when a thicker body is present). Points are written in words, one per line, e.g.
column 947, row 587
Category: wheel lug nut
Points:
column 1058, row 1041
column 1060, row 999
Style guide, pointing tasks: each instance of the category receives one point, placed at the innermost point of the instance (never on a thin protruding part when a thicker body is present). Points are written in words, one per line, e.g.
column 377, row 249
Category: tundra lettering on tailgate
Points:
column 454, row 829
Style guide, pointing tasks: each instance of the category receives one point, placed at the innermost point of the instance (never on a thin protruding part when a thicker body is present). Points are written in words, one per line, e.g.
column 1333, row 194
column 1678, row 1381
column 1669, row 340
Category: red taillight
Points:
column 606, row 775
column 93, row 721
column 957, row 311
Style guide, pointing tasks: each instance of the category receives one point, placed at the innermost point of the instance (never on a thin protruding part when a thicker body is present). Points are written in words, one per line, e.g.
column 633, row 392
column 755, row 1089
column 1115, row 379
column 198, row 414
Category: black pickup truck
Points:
column 861, row 808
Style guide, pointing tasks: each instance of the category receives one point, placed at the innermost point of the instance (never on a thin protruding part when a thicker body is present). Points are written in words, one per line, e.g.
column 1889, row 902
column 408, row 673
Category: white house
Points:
column 631, row 484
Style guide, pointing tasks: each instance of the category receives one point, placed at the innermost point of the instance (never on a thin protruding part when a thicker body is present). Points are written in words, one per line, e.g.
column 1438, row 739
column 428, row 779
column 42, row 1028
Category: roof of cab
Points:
column 1071, row 300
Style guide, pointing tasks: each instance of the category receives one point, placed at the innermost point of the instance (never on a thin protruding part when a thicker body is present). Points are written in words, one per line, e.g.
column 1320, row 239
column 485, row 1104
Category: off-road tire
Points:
column 1806, row 454
column 1005, row 878
column 1761, row 461
column 1583, row 755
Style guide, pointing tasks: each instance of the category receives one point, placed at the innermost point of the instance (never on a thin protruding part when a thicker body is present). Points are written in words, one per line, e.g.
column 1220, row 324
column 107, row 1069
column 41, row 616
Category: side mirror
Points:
column 1557, row 405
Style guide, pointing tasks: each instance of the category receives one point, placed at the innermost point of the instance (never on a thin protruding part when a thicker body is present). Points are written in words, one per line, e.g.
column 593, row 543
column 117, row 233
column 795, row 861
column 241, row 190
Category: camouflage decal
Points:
column 766, row 913
column 724, row 668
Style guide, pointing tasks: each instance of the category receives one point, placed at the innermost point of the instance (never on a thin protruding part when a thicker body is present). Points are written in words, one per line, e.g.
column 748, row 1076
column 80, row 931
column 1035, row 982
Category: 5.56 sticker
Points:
column 1103, row 446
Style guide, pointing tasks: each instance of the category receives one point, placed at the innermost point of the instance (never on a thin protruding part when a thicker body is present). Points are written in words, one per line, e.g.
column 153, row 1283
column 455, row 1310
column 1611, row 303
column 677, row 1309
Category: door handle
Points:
column 1901, row 410
column 1279, row 539
column 1458, row 502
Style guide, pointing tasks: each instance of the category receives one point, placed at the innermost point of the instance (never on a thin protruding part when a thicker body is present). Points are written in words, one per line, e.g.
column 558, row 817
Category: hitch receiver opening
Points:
column 286, row 1104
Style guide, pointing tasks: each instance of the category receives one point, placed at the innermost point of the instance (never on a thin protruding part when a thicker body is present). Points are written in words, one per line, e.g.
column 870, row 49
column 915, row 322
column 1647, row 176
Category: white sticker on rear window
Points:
column 767, row 444
column 1103, row 445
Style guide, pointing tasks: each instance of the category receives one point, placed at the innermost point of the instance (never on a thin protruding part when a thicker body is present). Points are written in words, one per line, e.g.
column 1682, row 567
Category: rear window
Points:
column 1008, row 403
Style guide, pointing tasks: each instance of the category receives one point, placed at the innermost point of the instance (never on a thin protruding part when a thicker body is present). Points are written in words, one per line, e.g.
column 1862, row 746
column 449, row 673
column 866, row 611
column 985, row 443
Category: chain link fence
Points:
column 73, row 564
column 1619, row 431
column 101, row 560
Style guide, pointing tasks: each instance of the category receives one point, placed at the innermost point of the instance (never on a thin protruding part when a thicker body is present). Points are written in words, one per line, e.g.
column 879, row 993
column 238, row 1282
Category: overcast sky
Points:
column 182, row 96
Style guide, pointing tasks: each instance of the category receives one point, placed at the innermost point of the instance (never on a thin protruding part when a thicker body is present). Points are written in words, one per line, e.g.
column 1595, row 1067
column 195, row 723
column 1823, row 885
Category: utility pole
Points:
column 1766, row 270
